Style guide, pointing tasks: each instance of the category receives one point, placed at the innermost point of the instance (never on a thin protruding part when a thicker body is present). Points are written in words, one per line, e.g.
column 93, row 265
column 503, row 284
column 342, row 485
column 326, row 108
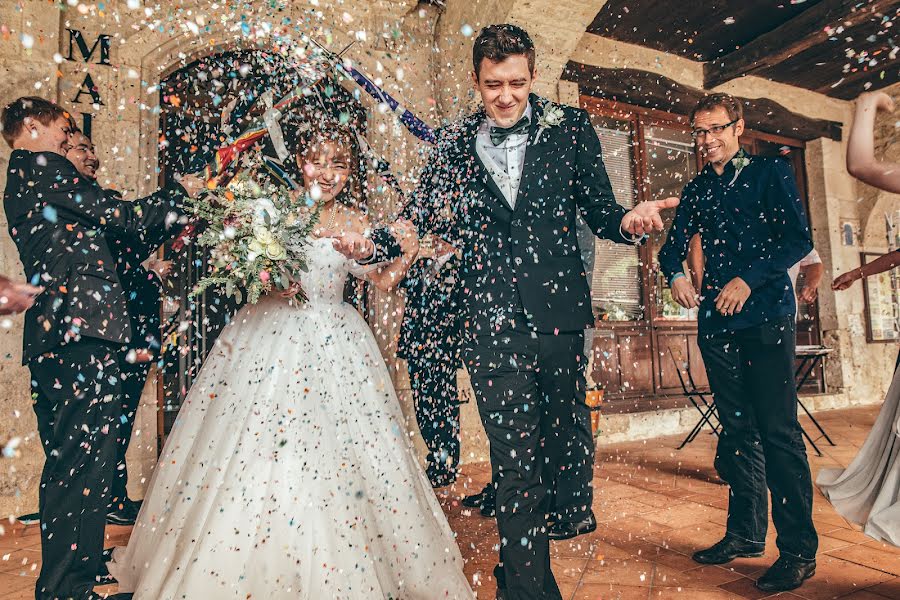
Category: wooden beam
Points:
column 791, row 38
column 852, row 84
column 654, row 91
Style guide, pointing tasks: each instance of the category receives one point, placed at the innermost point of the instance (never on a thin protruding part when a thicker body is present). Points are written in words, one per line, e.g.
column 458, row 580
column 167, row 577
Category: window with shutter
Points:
column 616, row 279
column 671, row 163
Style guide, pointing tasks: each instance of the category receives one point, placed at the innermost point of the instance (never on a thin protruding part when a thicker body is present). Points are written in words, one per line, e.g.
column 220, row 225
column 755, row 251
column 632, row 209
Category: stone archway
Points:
column 155, row 57
column 875, row 205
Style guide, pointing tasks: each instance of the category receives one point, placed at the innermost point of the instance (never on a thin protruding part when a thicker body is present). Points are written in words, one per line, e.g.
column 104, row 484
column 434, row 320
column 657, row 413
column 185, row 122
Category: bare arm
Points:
column 879, row 265
column 861, row 161
column 812, row 278
column 696, row 261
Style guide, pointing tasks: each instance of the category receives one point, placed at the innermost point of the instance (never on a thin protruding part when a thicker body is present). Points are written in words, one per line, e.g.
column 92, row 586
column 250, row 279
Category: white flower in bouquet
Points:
column 265, row 213
column 255, row 249
column 276, row 251
column 263, row 235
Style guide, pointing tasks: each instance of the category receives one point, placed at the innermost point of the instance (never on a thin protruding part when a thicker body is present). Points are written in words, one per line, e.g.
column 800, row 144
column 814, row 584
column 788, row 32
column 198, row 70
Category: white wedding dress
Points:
column 289, row 472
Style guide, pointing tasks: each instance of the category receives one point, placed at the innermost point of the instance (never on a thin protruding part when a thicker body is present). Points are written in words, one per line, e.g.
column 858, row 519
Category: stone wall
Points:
column 423, row 55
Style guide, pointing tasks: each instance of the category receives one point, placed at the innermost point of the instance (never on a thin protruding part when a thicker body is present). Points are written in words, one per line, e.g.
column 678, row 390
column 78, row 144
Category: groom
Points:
column 504, row 185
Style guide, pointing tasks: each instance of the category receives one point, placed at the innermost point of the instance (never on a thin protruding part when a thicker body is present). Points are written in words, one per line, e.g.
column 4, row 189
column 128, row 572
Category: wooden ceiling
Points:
column 837, row 47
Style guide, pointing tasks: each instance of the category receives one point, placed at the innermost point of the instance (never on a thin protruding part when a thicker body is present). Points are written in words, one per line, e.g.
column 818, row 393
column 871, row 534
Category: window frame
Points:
column 640, row 119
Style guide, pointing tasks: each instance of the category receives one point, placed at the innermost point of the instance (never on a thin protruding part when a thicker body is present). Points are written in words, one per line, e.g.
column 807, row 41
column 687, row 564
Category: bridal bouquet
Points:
column 257, row 237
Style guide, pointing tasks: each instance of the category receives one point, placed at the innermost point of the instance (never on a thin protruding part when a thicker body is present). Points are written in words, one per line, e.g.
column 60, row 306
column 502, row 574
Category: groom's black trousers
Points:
column 77, row 401
column 751, row 374
column 526, row 385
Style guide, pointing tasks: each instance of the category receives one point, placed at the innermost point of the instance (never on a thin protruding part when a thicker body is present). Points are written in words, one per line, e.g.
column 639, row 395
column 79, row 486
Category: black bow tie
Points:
column 498, row 134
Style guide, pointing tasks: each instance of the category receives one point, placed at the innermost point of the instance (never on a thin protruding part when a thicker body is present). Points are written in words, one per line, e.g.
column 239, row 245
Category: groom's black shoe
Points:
column 728, row 549
column 123, row 513
column 96, row 596
column 786, row 574
column 562, row 530
column 485, row 501
column 489, row 507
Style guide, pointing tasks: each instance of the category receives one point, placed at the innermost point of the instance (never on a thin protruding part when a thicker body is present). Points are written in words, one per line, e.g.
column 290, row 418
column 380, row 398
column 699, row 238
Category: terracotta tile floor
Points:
column 656, row 505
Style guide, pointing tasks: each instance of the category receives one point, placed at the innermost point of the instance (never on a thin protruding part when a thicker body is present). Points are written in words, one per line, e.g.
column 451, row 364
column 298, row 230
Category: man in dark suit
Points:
column 429, row 341
column 142, row 287
column 59, row 221
column 570, row 513
column 505, row 185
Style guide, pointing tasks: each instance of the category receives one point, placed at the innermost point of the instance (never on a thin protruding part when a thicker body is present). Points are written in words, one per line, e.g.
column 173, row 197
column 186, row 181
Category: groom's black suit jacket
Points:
column 525, row 257
column 61, row 223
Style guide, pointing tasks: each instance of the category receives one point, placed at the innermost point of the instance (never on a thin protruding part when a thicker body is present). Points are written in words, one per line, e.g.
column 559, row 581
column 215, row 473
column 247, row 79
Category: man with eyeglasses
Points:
column 753, row 228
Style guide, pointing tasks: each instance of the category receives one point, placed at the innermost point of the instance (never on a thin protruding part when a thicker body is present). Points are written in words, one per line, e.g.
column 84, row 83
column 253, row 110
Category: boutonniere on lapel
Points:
column 739, row 161
column 552, row 116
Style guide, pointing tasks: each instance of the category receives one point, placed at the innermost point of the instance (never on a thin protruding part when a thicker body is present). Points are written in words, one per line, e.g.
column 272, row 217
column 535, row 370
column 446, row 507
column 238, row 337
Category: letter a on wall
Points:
column 90, row 88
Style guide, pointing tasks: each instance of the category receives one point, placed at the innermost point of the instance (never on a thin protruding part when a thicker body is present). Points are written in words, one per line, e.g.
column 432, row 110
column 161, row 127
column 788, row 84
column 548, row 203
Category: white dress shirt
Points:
column 504, row 162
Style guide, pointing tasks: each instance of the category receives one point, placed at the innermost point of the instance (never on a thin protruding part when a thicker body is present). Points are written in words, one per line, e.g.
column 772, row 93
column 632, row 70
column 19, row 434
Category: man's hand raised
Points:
column 645, row 217
column 192, row 184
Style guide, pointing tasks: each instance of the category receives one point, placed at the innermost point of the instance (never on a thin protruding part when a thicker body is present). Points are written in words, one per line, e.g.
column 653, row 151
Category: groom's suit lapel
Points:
column 533, row 151
column 480, row 177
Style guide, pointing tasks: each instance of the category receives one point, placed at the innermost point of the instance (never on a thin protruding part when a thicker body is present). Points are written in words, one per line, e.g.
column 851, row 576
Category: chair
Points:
column 706, row 407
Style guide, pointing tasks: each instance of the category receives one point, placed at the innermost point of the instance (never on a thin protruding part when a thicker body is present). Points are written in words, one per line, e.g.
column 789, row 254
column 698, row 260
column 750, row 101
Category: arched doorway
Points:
column 203, row 106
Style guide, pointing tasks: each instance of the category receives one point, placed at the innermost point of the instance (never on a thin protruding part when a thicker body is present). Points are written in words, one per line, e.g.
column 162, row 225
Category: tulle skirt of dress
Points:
column 290, row 474
column 868, row 491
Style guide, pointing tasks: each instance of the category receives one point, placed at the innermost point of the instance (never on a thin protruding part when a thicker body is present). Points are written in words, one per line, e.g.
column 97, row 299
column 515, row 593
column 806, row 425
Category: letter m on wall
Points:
column 76, row 39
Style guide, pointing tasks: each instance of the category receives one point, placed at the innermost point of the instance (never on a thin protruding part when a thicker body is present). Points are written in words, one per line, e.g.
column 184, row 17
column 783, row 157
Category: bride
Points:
column 289, row 472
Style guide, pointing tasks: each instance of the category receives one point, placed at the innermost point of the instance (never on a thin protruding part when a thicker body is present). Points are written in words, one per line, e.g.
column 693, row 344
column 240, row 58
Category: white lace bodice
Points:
column 324, row 282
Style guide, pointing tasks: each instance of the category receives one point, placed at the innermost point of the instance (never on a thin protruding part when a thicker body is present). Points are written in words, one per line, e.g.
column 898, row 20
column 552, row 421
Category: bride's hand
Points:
column 294, row 289
column 351, row 244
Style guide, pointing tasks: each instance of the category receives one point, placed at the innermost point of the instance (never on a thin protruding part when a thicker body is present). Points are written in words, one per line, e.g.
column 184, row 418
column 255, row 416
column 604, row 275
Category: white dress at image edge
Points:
column 868, row 491
column 289, row 472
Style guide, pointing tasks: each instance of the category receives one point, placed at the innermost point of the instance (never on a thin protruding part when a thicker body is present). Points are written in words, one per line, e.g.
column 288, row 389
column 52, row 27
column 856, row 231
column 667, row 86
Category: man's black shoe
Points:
column 476, row 500
column 489, row 508
column 123, row 513
column 562, row 530
column 786, row 574
column 728, row 549
column 500, row 577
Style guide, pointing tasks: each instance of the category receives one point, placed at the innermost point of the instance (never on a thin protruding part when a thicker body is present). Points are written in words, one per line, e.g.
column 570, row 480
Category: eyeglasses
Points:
column 715, row 130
